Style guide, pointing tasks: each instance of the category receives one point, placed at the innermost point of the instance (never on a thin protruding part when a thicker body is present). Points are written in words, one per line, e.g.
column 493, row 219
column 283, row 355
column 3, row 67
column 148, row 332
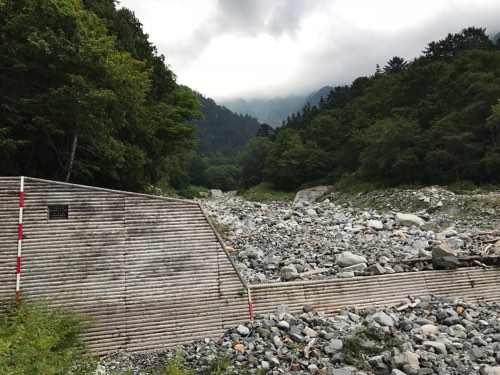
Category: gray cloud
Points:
column 243, row 18
column 287, row 16
column 250, row 18
column 256, row 16
column 354, row 52
column 341, row 53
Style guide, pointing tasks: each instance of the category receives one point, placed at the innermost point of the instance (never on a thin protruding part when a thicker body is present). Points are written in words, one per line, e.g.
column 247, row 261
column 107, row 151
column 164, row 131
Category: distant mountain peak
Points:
column 275, row 110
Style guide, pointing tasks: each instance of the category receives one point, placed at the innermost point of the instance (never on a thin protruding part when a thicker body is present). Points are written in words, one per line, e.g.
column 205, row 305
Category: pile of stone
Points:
column 344, row 236
column 305, row 239
column 420, row 336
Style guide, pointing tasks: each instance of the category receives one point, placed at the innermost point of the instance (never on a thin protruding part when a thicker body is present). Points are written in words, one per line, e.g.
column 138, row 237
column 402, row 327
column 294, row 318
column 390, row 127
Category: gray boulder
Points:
column 289, row 272
column 444, row 256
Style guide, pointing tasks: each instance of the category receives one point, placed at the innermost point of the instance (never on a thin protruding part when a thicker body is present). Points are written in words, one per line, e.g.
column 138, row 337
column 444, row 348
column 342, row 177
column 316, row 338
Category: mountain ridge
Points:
column 275, row 110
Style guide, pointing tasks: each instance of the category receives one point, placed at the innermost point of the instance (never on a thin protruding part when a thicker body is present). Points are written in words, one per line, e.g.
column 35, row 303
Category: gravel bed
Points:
column 338, row 236
column 342, row 235
column 419, row 336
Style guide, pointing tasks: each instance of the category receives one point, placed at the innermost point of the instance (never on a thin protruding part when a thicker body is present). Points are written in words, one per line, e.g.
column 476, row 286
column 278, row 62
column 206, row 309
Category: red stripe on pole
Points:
column 17, row 298
column 20, row 232
column 18, row 264
column 21, row 199
column 250, row 307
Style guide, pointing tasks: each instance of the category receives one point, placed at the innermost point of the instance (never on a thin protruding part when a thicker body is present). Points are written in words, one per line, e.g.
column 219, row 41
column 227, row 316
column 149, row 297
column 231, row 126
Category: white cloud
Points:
column 252, row 62
column 387, row 15
column 251, row 48
column 171, row 21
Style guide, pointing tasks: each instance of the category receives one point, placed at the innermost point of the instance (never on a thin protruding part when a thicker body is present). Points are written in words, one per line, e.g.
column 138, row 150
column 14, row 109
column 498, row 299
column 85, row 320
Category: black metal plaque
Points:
column 58, row 212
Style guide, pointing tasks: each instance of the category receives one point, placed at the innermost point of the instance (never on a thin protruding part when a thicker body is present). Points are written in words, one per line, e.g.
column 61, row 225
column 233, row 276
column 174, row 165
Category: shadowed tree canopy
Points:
column 395, row 65
column 446, row 49
column 222, row 132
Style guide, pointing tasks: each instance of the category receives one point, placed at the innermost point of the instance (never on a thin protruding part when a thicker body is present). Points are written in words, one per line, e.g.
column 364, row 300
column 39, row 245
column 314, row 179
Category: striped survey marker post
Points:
column 250, row 303
column 19, row 240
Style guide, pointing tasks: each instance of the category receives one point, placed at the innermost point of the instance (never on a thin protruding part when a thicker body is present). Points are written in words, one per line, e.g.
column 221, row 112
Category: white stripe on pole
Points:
column 19, row 240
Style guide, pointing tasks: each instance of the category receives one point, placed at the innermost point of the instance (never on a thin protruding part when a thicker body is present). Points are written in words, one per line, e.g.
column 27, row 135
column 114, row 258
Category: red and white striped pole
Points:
column 250, row 304
column 19, row 240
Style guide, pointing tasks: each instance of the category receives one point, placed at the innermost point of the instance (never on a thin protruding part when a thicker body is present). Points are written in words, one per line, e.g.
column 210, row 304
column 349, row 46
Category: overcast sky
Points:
column 268, row 48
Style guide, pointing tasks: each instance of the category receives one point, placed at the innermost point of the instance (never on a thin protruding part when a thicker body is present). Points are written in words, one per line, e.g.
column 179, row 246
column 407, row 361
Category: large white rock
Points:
column 495, row 249
column 406, row 358
column 242, row 330
column 216, row 193
column 429, row 329
column 289, row 272
column 347, row 259
column 375, row 224
column 311, row 212
column 408, row 220
column 310, row 195
column 439, row 347
column 488, row 370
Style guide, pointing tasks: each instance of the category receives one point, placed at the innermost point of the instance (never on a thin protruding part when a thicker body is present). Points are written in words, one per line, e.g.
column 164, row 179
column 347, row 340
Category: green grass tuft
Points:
column 352, row 184
column 265, row 193
column 367, row 341
column 175, row 366
column 193, row 191
column 219, row 364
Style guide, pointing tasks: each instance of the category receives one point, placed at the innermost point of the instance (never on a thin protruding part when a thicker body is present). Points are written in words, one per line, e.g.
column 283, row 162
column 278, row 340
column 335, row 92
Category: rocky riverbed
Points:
column 419, row 336
column 344, row 236
column 350, row 235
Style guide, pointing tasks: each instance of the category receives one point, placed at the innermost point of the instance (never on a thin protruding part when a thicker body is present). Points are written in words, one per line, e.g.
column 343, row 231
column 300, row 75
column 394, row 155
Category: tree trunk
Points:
column 71, row 157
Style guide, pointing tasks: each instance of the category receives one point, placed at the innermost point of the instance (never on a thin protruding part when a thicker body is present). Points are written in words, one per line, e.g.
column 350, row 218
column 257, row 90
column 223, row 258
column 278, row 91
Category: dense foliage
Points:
column 222, row 132
column 38, row 339
column 434, row 120
column 220, row 136
column 86, row 98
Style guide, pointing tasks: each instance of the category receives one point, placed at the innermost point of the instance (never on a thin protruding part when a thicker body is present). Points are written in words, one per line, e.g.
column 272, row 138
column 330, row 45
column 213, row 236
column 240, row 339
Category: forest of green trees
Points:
column 433, row 120
column 220, row 137
column 85, row 97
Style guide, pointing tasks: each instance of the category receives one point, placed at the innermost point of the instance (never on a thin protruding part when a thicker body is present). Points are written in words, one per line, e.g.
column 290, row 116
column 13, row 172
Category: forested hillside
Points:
column 221, row 136
column 222, row 132
column 85, row 97
column 433, row 120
